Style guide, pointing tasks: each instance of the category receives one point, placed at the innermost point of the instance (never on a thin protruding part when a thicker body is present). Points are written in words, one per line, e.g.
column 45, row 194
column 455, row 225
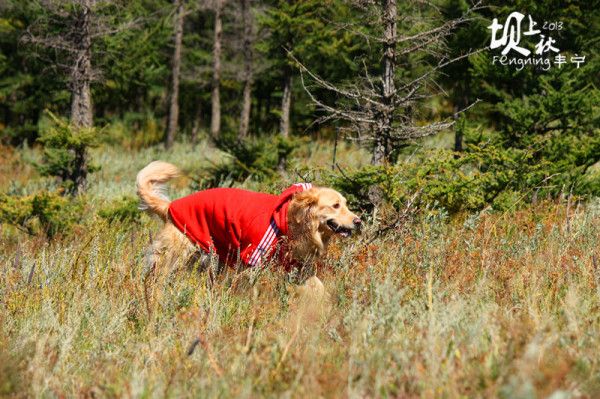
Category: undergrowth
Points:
column 489, row 304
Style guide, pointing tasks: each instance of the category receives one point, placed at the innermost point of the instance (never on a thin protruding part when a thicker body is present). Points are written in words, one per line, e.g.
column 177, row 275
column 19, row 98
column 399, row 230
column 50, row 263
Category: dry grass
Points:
column 484, row 306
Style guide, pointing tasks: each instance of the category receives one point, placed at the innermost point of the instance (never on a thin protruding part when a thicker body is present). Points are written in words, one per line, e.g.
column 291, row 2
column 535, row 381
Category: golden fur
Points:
column 308, row 214
column 314, row 217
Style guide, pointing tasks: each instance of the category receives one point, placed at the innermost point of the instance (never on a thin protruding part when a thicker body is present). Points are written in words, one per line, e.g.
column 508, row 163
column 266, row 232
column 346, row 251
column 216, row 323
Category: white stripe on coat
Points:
column 256, row 252
column 262, row 248
column 265, row 244
column 270, row 235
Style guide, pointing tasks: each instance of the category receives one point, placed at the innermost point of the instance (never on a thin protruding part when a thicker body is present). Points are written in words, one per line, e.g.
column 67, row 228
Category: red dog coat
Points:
column 232, row 221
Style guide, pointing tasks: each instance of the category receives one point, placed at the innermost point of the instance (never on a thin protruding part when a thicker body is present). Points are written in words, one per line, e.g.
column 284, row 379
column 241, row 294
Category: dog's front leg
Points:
column 310, row 305
column 312, row 289
column 315, row 286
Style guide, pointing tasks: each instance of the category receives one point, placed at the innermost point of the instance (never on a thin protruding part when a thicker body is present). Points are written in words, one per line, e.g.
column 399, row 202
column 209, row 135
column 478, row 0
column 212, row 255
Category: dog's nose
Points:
column 357, row 221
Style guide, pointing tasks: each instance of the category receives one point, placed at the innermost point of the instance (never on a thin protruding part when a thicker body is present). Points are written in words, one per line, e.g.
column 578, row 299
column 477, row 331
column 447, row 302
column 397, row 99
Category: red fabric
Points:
column 233, row 222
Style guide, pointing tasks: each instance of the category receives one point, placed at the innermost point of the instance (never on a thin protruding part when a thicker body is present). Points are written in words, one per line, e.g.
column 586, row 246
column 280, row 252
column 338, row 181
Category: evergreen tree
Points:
column 29, row 80
column 301, row 29
column 173, row 122
column 551, row 115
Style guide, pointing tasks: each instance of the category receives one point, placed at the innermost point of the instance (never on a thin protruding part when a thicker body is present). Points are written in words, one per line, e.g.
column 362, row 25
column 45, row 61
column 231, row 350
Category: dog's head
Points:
column 323, row 213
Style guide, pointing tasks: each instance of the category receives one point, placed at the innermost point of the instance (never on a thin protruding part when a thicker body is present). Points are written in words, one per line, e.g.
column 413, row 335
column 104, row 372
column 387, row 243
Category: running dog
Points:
column 240, row 226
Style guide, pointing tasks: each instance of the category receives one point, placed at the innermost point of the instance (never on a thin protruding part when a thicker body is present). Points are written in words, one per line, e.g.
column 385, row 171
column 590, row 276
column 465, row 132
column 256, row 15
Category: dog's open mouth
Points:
column 338, row 229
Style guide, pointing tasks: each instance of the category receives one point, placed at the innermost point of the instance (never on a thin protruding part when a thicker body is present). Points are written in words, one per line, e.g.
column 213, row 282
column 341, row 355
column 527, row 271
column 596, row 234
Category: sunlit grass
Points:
column 490, row 305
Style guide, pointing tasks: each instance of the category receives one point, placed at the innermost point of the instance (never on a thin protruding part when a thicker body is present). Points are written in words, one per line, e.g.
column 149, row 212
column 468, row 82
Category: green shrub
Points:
column 66, row 154
column 123, row 210
column 133, row 130
column 254, row 158
column 45, row 212
column 553, row 117
column 482, row 176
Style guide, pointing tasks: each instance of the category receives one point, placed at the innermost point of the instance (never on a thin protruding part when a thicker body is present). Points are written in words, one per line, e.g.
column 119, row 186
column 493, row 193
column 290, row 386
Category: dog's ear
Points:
column 307, row 198
column 304, row 201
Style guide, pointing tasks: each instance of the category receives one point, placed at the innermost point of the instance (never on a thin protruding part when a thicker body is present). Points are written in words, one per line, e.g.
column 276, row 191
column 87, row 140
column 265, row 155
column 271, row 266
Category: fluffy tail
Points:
column 151, row 188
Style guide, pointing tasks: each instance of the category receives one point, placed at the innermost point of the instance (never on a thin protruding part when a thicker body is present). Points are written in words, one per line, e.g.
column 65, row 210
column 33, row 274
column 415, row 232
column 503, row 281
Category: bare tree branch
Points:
column 379, row 108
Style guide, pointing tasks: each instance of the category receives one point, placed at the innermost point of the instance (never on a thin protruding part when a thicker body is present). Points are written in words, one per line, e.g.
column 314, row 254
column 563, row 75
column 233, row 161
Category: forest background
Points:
column 476, row 274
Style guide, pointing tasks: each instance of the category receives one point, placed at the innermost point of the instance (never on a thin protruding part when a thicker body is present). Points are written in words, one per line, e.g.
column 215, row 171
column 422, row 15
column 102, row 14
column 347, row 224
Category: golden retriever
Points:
column 314, row 215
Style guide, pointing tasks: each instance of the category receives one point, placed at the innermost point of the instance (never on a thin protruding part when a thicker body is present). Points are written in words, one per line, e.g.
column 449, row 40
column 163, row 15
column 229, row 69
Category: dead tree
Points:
column 172, row 124
column 76, row 44
column 377, row 106
column 388, row 89
column 215, row 122
column 81, row 71
column 247, row 23
column 69, row 28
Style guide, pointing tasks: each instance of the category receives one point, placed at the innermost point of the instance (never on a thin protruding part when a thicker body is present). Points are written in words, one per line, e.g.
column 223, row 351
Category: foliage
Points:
column 133, row 130
column 557, row 123
column 46, row 213
column 66, row 153
column 28, row 83
column 535, row 135
column 553, row 115
column 493, row 307
column 255, row 159
column 131, row 63
column 483, row 176
column 305, row 30
column 125, row 210
column 447, row 307
column 134, row 61
column 536, row 132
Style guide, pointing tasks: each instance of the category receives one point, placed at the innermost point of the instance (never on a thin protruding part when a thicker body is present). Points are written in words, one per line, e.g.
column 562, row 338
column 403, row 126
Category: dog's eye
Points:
column 336, row 206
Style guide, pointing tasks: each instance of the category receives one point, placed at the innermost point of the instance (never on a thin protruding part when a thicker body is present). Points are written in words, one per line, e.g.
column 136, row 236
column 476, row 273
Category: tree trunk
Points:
column 458, row 132
column 258, row 108
column 458, row 135
column 267, row 112
column 175, row 70
column 81, row 95
column 215, row 122
column 81, row 72
column 247, row 99
column 381, row 150
column 197, row 123
column 286, row 102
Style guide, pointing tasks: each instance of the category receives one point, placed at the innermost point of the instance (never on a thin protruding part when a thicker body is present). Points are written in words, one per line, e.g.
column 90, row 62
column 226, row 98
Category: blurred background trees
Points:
column 239, row 72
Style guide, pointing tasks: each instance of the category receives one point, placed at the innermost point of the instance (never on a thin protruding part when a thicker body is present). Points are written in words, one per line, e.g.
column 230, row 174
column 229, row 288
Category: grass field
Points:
column 487, row 305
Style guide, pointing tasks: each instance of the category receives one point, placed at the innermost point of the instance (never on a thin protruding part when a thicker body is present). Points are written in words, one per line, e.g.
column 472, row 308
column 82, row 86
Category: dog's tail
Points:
column 151, row 188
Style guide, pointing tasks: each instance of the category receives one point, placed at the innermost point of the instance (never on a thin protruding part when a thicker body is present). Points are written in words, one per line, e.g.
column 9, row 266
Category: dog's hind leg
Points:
column 169, row 250
column 151, row 259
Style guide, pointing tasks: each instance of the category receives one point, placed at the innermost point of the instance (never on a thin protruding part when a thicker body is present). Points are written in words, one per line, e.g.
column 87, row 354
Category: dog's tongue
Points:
column 345, row 233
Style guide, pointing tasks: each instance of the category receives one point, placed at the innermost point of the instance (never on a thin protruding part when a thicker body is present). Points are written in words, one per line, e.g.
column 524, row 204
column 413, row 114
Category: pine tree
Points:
column 215, row 121
column 551, row 115
column 173, row 122
column 247, row 74
column 297, row 28
column 28, row 81
column 380, row 104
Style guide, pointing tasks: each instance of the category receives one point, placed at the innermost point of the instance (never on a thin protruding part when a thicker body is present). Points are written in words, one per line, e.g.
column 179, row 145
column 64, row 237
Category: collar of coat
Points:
column 278, row 225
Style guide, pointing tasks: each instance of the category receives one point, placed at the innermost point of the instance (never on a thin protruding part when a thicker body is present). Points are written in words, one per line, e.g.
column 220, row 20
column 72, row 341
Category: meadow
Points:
column 493, row 304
